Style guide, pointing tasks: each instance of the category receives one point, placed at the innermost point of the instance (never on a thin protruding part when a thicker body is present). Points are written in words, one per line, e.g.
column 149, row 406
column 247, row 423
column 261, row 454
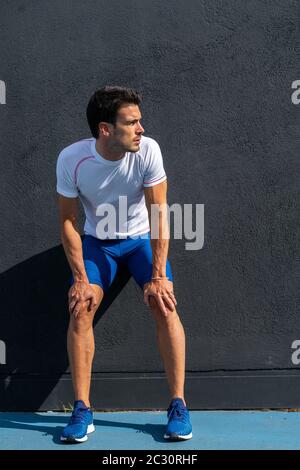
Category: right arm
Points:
column 81, row 290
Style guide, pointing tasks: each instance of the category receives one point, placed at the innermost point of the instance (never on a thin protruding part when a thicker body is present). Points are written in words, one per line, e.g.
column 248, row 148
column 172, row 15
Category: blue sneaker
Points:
column 179, row 426
column 80, row 424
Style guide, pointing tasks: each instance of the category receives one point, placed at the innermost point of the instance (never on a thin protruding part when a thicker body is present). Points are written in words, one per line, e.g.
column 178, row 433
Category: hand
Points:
column 162, row 291
column 79, row 293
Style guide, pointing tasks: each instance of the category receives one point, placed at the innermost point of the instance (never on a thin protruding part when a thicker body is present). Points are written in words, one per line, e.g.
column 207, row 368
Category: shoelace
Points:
column 78, row 416
column 177, row 411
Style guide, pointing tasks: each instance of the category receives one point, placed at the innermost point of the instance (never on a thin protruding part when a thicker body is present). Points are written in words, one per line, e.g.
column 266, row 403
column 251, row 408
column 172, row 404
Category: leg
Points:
column 101, row 269
column 81, row 347
column 171, row 344
column 170, row 333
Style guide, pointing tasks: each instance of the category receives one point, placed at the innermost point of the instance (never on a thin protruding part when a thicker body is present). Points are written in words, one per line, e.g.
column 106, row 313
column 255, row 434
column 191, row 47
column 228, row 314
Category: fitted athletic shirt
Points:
column 110, row 190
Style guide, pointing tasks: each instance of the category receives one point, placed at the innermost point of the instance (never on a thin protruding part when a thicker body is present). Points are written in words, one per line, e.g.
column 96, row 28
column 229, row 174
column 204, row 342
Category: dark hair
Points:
column 104, row 105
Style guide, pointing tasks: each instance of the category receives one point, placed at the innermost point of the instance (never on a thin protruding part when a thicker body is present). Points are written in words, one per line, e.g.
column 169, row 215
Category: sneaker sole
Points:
column 177, row 437
column 91, row 428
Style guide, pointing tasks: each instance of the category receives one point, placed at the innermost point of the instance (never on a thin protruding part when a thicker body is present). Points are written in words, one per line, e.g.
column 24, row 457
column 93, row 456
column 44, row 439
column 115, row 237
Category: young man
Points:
column 117, row 165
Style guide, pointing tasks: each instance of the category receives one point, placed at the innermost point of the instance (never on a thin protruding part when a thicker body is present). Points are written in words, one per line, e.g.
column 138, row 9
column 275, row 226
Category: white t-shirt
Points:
column 111, row 192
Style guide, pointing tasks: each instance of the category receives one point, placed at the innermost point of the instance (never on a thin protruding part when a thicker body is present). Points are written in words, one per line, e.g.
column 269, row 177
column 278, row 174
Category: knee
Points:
column 84, row 318
column 169, row 320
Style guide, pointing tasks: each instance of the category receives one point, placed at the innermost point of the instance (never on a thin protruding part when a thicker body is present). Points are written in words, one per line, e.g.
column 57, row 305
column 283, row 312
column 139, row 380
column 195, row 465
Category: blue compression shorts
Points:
column 103, row 257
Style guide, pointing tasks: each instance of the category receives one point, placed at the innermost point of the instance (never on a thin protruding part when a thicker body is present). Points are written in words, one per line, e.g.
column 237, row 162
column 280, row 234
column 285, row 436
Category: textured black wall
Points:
column 216, row 81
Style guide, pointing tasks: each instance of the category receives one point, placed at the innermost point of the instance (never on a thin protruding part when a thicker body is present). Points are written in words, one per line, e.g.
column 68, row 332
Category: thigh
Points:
column 101, row 267
column 140, row 265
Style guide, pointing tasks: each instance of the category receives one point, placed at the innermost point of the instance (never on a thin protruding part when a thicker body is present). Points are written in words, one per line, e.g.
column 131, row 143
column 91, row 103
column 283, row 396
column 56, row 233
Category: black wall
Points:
column 216, row 79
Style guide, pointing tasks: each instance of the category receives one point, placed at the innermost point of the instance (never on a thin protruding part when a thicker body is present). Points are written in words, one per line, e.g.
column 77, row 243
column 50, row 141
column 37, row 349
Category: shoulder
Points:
column 73, row 153
column 149, row 147
column 147, row 143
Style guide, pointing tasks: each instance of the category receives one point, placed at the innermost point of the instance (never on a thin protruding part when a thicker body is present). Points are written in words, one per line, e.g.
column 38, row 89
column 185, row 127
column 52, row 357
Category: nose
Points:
column 140, row 129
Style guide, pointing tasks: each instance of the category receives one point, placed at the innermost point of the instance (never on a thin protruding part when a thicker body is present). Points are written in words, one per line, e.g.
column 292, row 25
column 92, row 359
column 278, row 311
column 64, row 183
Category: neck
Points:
column 107, row 152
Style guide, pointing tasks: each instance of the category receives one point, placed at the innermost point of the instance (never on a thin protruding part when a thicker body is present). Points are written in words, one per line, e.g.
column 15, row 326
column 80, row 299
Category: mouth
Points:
column 137, row 141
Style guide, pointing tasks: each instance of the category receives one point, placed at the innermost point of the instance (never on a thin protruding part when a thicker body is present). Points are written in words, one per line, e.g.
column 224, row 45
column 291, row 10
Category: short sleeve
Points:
column 154, row 172
column 65, row 184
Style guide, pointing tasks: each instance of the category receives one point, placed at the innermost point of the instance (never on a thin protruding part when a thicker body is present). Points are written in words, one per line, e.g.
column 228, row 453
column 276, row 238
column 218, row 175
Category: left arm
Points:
column 159, row 286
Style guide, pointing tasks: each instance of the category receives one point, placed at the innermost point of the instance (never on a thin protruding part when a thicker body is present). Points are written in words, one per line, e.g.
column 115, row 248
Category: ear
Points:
column 104, row 129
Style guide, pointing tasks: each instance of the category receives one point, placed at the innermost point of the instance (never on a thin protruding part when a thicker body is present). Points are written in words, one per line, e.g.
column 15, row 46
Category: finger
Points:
column 169, row 302
column 75, row 297
column 89, row 297
column 161, row 305
column 76, row 309
column 92, row 303
column 71, row 293
column 72, row 305
column 146, row 295
column 146, row 299
column 173, row 298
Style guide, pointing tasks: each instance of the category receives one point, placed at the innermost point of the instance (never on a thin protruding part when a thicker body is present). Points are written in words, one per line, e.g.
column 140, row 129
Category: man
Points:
column 117, row 163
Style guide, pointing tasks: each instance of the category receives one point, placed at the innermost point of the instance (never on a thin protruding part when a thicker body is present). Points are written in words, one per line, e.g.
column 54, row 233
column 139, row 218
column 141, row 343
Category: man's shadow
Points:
column 33, row 328
column 53, row 424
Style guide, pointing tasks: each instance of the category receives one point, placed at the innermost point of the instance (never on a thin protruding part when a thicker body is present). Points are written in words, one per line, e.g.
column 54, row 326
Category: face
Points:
column 126, row 134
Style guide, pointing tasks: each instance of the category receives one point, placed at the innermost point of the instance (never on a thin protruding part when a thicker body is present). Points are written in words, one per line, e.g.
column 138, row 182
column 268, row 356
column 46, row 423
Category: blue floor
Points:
column 144, row 430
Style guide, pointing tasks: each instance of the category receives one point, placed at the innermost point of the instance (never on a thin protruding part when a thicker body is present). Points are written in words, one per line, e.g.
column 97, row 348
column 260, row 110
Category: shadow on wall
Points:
column 34, row 322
